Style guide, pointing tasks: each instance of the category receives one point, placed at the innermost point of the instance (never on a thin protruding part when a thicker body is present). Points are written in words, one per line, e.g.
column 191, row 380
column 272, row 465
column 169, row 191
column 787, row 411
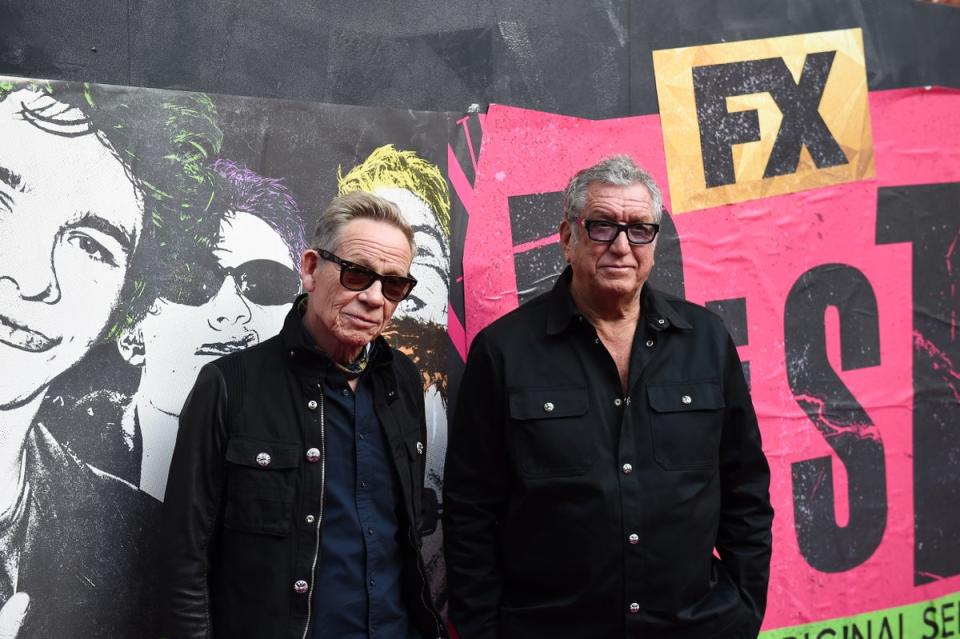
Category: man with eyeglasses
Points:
column 293, row 502
column 604, row 474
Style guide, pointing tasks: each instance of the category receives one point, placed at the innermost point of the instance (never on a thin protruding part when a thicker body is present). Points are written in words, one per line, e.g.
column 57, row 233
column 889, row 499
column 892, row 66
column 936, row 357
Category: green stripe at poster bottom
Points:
column 924, row 620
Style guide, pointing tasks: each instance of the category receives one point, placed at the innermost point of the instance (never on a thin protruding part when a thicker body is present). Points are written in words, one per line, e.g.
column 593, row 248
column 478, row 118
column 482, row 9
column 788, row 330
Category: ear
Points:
column 566, row 239
column 130, row 345
column 309, row 262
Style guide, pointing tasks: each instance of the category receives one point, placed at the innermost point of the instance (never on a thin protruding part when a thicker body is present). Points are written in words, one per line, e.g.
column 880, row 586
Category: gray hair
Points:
column 358, row 205
column 617, row 170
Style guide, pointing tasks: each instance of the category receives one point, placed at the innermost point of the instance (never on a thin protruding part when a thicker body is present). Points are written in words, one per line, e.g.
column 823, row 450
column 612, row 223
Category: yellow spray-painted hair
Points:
column 387, row 167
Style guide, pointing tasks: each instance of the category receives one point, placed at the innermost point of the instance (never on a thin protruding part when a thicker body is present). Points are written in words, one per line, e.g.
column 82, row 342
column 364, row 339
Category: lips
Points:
column 23, row 338
column 217, row 349
column 362, row 321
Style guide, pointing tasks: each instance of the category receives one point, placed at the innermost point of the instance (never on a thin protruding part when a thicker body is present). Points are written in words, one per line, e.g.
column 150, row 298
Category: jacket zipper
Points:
column 323, row 480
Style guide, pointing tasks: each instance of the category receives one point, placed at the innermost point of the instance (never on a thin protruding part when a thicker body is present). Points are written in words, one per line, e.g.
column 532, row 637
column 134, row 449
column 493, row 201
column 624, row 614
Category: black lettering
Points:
column 799, row 103
column 842, row 422
column 930, row 620
column 928, row 216
column 946, row 618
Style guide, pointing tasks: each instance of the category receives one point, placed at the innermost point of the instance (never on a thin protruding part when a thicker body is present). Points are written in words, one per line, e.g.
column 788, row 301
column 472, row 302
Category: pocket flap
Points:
column 546, row 403
column 265, row 455
column 685, row 396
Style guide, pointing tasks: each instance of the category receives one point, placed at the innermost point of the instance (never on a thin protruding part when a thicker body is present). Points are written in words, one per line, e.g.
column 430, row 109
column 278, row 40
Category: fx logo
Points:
column 753, row 119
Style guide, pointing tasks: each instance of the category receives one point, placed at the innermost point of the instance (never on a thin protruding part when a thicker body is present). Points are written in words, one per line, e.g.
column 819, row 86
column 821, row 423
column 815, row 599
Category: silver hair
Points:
column 617, row 170
column 356, row 206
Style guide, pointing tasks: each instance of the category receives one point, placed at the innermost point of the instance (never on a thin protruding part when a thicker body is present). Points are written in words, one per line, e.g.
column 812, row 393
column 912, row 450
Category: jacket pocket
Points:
column 686, row 421
column 261, row 482
column 548, row 432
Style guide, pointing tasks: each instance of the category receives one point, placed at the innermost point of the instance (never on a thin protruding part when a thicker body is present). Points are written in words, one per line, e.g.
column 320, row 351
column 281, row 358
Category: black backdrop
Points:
column 589, row 59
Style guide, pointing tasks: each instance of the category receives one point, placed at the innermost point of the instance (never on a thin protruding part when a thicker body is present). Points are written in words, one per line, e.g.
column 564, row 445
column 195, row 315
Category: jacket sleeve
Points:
column 475, row 489
column 744, row 536
column 191, row 507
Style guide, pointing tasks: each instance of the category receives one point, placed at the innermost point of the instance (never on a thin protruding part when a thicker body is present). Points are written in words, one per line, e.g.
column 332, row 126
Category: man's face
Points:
column 343, row 319
column 70, row 218
column 619, row 269
column 245, row 306
column 428, row 301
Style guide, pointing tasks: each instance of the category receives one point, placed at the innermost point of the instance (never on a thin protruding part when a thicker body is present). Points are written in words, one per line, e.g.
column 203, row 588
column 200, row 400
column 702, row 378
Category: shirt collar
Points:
column 656, row 308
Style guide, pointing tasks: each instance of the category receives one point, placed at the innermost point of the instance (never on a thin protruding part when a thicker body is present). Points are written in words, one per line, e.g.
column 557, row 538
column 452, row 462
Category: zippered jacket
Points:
column 243, row 510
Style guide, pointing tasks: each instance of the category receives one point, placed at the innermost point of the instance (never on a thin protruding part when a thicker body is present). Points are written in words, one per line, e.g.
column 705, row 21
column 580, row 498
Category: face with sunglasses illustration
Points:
column 355, row 289
column 237, row 298
column 611, row 247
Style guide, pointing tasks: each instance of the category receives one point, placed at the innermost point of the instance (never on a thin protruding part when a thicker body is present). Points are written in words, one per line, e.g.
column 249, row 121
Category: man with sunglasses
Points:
column 228, row 290
column 604, row 475
column 294, row 497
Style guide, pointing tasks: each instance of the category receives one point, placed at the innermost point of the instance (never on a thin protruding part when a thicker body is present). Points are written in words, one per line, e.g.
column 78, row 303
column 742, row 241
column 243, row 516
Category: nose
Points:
column 31, row 269
column 620, row 244
column 229, row 308
column 373, row 294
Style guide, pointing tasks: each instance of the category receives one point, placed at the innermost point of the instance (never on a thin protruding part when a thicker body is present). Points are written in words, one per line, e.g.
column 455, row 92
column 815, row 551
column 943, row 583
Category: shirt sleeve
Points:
column 192, row 506
column 475, row 488
column 744, row 537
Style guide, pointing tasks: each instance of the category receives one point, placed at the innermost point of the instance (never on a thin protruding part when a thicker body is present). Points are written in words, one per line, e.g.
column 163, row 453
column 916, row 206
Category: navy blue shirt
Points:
column 357, row 592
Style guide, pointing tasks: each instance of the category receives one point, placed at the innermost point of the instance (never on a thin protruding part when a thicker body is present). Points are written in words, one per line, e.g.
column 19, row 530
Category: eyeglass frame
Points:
column 621, row 228
column 346, row 265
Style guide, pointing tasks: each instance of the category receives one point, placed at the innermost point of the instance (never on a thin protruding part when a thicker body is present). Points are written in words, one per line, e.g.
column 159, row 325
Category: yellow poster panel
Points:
column 752, row 119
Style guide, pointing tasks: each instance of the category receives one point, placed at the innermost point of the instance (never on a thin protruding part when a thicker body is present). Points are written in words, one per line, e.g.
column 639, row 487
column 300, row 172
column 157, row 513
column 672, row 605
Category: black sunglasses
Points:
column 607, row 232
column 263, row 282
column 354, row 277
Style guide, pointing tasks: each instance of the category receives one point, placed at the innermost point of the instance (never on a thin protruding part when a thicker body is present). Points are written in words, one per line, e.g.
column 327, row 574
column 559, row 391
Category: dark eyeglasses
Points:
column 354, row 277
column 263, row 282
column 607, row 232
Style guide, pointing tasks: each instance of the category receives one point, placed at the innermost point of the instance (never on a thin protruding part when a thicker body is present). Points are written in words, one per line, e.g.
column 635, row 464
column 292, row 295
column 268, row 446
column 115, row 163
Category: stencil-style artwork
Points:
column 231, row 290
column 71, row 220
column 420, row 322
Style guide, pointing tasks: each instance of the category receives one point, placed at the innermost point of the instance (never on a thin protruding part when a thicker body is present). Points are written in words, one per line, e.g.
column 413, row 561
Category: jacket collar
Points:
column 656, row 308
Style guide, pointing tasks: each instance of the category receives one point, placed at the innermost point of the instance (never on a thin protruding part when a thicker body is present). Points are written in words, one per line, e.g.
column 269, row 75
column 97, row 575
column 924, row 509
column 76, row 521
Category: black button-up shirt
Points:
column 573, row 509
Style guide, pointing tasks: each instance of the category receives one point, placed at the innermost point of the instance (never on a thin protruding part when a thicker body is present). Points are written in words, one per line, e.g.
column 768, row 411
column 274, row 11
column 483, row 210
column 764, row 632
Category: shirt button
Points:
column 363, row 484
column 263, row 459
column 596, row 340
column 312, row 404
column 634, row 539
column 310, row 519
column 369, row 531
column 313, row 455
column 627, row 469
column 661, row 321
column 346, row 392
column 617, row 401
column 548, row 407
column 300, row 586
column 634, row 608
column 686, row 399
column 362, row 436
column 649, row 343
column 419, row 448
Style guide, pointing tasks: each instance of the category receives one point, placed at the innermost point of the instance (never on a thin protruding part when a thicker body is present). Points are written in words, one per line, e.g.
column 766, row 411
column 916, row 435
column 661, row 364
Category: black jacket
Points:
column 572, row 509
column 243, row 509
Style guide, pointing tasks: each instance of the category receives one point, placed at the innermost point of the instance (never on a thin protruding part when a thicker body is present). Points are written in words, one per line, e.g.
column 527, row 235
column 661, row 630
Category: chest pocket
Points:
column 687, row 421
column 261, row 481
column 548, row 431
